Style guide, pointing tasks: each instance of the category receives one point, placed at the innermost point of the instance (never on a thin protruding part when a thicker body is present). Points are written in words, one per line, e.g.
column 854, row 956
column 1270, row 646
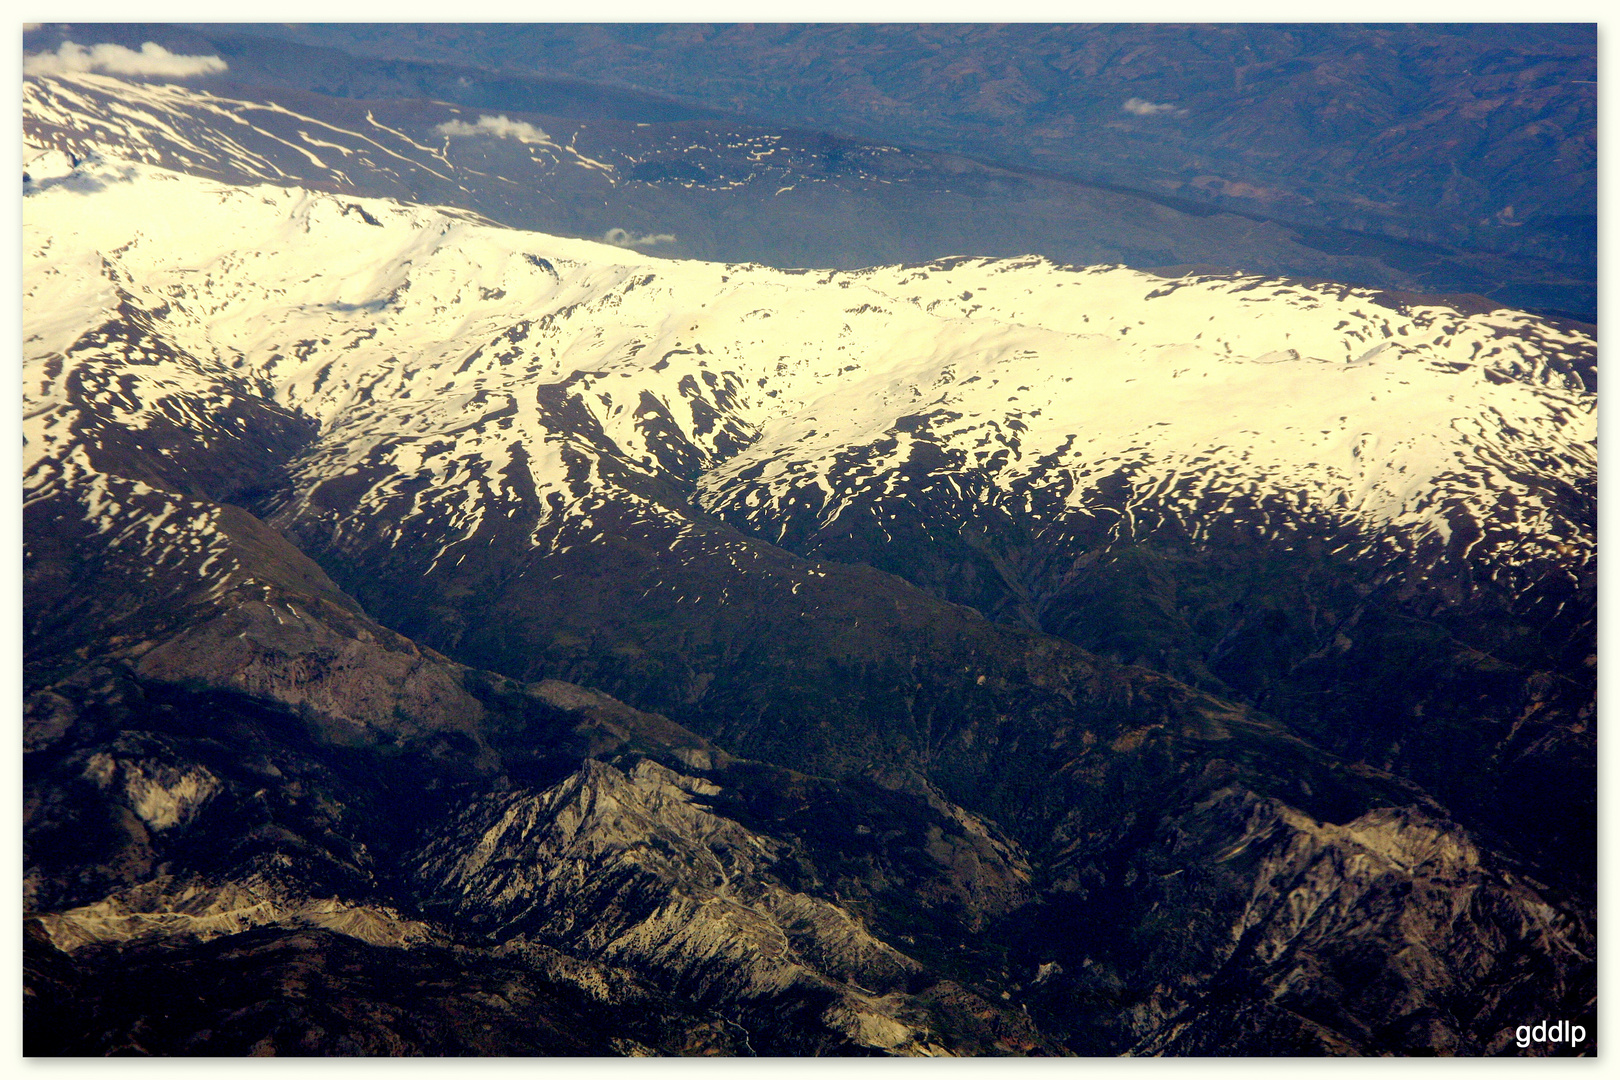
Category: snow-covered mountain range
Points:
column 1060, row 582
column 789, row 399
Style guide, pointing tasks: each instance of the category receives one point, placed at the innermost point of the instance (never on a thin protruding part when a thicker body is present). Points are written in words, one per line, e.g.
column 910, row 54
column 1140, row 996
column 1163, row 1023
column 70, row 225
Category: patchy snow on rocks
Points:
column 463, row 373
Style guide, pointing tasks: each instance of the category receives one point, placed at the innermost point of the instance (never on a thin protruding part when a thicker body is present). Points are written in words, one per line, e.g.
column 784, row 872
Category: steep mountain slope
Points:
column 220, row 744
column 555, row 460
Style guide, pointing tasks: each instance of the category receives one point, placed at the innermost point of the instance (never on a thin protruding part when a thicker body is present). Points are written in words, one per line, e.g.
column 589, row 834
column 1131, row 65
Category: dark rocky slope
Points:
column 332, row 840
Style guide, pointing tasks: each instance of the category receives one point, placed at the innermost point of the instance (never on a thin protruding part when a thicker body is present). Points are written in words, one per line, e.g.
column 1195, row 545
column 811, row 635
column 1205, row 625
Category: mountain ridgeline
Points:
column 446, row 638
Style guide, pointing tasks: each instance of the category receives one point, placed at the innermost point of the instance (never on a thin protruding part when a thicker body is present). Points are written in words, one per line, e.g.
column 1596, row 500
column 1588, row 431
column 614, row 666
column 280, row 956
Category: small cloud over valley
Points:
column 1142, row 107
column 496, row 127
column 624, row 238
column 153, row 59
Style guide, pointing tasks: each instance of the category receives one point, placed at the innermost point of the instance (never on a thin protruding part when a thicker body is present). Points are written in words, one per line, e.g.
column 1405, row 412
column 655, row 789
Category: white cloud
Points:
column 153, row 59
column 496, row 126
column 1142, row 107
column 624, row 238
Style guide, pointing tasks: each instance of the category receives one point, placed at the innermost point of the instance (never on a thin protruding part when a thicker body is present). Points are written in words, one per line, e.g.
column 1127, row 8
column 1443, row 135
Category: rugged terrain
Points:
column 444, row 638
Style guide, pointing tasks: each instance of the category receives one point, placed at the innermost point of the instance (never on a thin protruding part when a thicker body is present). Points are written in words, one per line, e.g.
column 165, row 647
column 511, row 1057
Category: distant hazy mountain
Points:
column 1442, row 160
column 1481, row 136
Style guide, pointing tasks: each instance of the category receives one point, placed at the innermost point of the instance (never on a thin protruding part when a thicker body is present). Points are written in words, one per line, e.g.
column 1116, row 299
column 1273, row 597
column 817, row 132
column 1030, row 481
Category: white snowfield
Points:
column 462, row 372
